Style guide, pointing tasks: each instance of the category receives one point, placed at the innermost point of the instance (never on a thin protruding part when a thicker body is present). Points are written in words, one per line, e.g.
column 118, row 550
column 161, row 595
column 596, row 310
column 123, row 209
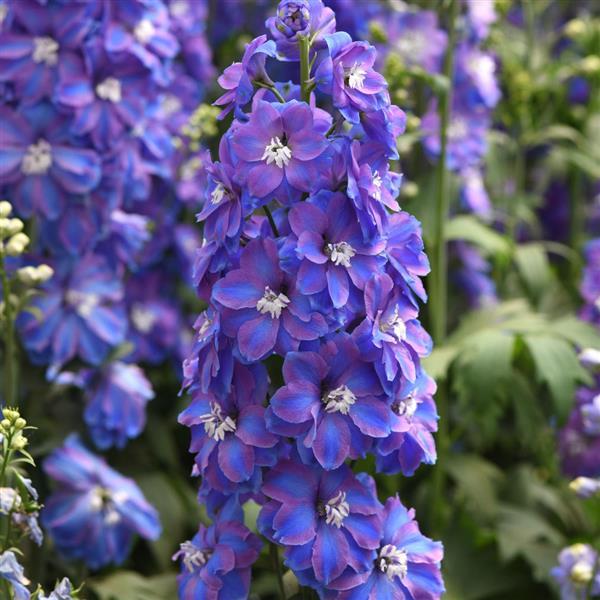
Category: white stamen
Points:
column 340, row 253
column 277, row 152
column 377, row 181
column 105, row 501
column 272, row 303
column 336, row 510
column 109, row 89
column 406, row 407
column 83, row 303
column 144, row 31
column 356, row 76
column 193, row 557
column 179, row 8
column 393, row 562
column 215, row 425
column 204, row 328
column 457, row 129
column 339, row 400
column 143, row 318
column 45, row 50
column 37, row 159
column 190, row 168
column 396, row 325
column 219, row 193
column 170, row 105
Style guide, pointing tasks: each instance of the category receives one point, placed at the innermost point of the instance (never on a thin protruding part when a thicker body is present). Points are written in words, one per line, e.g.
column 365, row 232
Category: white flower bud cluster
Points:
column 12, row 239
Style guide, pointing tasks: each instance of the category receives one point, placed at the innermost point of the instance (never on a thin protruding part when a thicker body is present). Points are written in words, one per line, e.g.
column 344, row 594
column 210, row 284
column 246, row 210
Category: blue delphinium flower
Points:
column 406, row 565
column 116, row 398
column 12, row 571
column 215, row 563
column 95, row 512
column 63, row 590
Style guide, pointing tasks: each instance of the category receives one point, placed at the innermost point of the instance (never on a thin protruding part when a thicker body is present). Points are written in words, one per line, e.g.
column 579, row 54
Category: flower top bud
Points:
column 5, row 425
column 20, row 423
column 293, row 16
column 11, row 414
column 5, row 209
column 16, row 244
column 44, row 273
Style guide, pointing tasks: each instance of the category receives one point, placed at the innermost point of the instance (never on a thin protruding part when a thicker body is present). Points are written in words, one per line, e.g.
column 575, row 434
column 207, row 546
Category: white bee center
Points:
column 219, row 193
column 109, row 89
column 581, row 573
column 339, row 400
column 457, row 129
column 340, row 253
column 37, row 159
column 45, row 50
column 377, row 181
column 106, row 501
column 393, row 562
column 356, row 76
column 277, row 152
column 336, row 510
column 215, row 424
column 170, row 104
column 272, row 303
column 193, row 557
column 406, row 407
column 83, row 303
column 143, row 318
column 144, row 31
column 396, row 325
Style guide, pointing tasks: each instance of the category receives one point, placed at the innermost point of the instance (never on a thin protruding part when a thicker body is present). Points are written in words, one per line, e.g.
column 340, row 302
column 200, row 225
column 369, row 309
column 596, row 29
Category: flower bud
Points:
column 27, row 275
column 409, row 189
column 20, row 423
column 14, row 226
column 44, row 272
column 591, row 64
column 18, row 442
column 5, row 209
column 574, row 28
column 17, row 244
column 10, row 414
column 5, row 424
column 581, row 573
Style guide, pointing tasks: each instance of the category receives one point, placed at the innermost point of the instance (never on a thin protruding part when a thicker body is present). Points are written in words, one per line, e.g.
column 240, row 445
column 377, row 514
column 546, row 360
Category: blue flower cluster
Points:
column 308, row 355
column 92, row 96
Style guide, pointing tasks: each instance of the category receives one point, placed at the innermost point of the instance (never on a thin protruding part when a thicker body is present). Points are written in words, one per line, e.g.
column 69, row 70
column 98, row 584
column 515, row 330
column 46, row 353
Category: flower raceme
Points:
column 309, row 352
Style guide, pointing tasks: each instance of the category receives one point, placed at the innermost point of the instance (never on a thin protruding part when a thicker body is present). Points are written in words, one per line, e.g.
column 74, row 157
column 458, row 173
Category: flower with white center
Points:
column 215, row 424
column 336, row 510
column 581, row 573
column 597, row 303
column 406, row 407
column 170, row 104
column 396, row 325
column 277, row 152
column 457, row 129
column 272, row 303
column 393, row 562
column 9, row 500
column 142, row 318
column 377, row 181
column 37, row 159
column 109, row 89
column 192, row 556
column 339, row 400
column 340, row 253
column 590, row 356
column 45, row 50
column 144, row 31
column 590, row 413
column 219, row 193
column 190, row 168
column 356, row 76
column 105, row 501
column 83, row 303
column 179, row 8
column 204, row 328
column 411, row 45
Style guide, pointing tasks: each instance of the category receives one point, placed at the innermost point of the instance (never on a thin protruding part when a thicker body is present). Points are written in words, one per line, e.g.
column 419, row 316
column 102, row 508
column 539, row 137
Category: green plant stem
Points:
column 9, row 339
column 439, row 270
column 273, row 551
column 271, row 220
column 304, row 44
column 271, row 88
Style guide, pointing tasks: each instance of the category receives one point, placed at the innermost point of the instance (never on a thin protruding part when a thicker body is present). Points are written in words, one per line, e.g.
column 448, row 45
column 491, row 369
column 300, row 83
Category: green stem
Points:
column 9, row 339
column 439, row 268
column 271, row 88
column 274, row 552
column 271, row 220
column 305, row 68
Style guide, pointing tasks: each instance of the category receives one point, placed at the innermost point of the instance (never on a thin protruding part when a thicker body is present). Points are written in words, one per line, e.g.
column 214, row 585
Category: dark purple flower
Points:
column 240, row 78
column 407, row 564
column 265, row 311
column 296, row 18
column 278, row 147
column 331, row 402
column 216, row 562
column 229, row 435
column 348, row 75
column 327, row 521
column 95, row 512
column 391, row 335
column 331, row 248
column 41, row 163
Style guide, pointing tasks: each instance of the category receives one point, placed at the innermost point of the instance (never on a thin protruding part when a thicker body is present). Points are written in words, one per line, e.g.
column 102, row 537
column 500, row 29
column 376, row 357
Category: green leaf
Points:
column 469, row 229
column 438, row 362
column 557, row 366
column 576, row 331
column 131, row 585
column 534, row 268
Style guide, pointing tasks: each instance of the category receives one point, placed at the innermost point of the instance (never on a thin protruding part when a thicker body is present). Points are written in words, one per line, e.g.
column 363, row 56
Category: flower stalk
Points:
column 304, row 44
column 9, row 336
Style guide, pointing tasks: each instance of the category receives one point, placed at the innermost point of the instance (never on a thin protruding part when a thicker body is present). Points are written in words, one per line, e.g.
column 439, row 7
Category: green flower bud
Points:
column 5, row 209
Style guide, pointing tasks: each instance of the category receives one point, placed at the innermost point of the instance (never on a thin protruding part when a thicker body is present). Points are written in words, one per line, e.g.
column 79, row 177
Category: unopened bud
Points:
column 5, row 424
column 409, row 189
column 14, row 226
column 27, row 275
column 20, row 423
column 581, row 573
column 574, row 28
column 591, row 64
column 44, row 273
column 10, row 414
column 5, row 209
column 18, row 442
column 17, row 244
